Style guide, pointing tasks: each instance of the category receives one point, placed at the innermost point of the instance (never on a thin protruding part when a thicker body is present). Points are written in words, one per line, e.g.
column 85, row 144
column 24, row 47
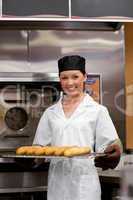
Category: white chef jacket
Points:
column 89, row 125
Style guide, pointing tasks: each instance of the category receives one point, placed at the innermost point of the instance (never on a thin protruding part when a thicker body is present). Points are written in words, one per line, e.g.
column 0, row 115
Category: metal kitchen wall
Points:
column 98, row 8
column 0, row 8
column 38, row 51
column 13, row 51
column 35, row 8
column 74, row 8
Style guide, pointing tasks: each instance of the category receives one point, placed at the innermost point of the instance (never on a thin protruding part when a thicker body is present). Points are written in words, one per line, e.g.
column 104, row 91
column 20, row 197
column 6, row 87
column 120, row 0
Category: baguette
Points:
column 67, row 151
column 22, row 150
column 76, row 151
column 60, row 150
column 32, row 149
column 26, row 150
column 50, row 150
column 41, row 151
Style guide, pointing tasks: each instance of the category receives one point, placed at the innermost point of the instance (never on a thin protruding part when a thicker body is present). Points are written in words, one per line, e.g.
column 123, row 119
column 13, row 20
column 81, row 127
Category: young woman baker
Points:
column 77, row 120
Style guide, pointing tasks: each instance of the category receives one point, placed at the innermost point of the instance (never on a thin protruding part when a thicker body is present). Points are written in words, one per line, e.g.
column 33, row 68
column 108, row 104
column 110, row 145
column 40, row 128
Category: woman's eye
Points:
column 75, row 77
column 63, row 78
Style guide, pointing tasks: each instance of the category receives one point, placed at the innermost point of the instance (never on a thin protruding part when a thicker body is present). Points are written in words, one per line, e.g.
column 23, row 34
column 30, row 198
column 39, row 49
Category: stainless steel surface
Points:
column 104, row 8
column 23, row 181
column 109, row 173
column 60, row 24
column 68, row 8
column 5, row 155
column 13, row 50
column 30, row 93
column 0, row 8
column 23, row 190
column 58, row 8
column 28, row 77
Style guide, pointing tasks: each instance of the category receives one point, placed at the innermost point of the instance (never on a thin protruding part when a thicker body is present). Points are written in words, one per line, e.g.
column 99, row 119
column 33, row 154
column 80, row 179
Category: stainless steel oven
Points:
column 23, row 99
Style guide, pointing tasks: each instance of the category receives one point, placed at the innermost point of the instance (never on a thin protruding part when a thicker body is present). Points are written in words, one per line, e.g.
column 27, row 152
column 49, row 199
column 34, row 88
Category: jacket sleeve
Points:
column 105, row 130
column 43, row 132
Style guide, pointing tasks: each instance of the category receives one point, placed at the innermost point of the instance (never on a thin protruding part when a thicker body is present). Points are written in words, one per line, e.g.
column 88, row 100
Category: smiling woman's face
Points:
column 72, row 82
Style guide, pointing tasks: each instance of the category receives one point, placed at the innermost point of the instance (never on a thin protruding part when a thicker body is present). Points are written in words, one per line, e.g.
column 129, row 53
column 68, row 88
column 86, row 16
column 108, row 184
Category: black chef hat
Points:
column 73, row 62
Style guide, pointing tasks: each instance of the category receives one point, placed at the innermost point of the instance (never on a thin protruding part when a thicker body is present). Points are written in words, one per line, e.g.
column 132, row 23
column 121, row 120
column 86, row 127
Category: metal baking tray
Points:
column 12, row 155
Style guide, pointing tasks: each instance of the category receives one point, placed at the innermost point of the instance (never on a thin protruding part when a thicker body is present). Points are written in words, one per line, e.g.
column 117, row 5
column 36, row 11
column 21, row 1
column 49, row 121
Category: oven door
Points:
column 21, row 106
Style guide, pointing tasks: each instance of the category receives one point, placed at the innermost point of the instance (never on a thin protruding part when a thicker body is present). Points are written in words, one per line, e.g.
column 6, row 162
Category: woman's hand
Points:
column 111, row 159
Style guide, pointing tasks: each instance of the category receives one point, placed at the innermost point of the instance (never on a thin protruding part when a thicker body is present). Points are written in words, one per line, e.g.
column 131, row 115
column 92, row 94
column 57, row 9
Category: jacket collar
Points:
column 87, row 101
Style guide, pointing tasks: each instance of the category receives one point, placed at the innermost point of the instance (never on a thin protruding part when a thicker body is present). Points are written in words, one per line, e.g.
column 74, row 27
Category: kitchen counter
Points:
column 106, row 175
column 110, row 176
column 16, row 179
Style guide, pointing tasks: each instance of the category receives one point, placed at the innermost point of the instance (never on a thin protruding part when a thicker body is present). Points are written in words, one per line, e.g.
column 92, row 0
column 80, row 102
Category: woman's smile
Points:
column 72, row 82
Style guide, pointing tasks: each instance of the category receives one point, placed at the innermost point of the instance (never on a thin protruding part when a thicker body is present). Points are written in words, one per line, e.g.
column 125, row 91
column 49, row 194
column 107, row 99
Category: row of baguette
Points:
column 67, row 151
